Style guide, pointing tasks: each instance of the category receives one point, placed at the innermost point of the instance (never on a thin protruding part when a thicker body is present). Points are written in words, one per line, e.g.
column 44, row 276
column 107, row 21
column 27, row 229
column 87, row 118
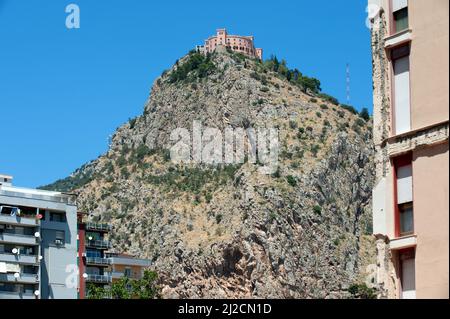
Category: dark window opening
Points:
column 401, row 19
column 406, row 219
column 57, row 217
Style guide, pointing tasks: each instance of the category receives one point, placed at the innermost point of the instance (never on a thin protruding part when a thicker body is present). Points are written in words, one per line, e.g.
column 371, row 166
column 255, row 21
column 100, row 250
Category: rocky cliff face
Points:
column 230, row 231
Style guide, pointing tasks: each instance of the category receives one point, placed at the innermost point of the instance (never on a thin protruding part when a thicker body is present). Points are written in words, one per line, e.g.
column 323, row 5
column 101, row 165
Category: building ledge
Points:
column 414, row 139
column 403, row 242
column 413, row 132
column 130, row 261
column 398, row 38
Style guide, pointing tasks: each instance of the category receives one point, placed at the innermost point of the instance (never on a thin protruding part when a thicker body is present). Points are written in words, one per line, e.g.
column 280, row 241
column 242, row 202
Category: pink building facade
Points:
column 236, row 43
column 410, row 48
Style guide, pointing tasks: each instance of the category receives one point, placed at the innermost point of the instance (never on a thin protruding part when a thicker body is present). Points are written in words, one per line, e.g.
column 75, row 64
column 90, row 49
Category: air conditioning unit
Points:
column 59, row 242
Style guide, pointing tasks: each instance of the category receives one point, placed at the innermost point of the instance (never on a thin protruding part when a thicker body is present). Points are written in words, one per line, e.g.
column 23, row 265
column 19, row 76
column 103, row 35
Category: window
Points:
column 60, row 237
column 406, row 219
column 57, row 217
column 93, row 270
column 93, row 236
column 92, row 253
column 28, row 289
column 402, row 107
column 407, row 274
column 404, row 196
column 401, row 20
column 400, row 15
column 127, row 272
column 31, row 270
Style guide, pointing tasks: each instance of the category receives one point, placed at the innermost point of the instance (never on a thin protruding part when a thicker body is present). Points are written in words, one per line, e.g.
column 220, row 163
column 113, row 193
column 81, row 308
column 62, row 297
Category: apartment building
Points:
column 92, row 259
column 124, row 265
column 38, row 243
column 97, row 266
column 410, row 49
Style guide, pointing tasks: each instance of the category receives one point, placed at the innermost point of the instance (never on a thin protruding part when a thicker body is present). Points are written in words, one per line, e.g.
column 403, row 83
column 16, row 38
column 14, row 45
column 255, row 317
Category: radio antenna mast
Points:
column 347, row 71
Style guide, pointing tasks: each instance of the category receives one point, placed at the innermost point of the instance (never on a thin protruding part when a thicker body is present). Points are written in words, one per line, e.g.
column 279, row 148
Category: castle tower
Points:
column 240, row 44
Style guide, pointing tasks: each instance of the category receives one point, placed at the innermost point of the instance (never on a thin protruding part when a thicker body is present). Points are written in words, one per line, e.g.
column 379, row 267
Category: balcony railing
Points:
column 115, row 274
column 100, row 244
column 99, row 278
column 98, row 261
column 23, row 278
column 19, row 220
column 18, row 239
column 106, row 295
column 22, row 259
column 98, row 227
column 16, row 295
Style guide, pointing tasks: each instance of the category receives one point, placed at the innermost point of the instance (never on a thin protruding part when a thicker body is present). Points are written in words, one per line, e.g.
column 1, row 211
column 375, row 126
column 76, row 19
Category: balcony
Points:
column 18, row 239
column 20, row 221
column 129, row 261
column 23, row 279
column 106, row 295
column 403, row 242
column 101, row 279
column 398, row 38
column 119, row 275
column 116, row 274
column 97, row 261
column 99, row 244
column 16, row 295
column 21, row 259
column 98, row 227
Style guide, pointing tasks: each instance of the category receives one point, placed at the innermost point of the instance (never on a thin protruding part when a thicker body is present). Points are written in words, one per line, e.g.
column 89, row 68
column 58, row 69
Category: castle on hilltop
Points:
column 236, row 43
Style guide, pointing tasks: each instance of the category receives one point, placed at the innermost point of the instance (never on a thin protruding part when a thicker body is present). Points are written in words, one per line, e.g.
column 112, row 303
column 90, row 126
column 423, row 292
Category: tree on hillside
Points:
column 364, row 114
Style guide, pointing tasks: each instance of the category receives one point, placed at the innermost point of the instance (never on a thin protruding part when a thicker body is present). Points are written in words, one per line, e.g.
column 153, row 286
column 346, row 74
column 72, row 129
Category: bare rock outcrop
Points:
column 229, row 231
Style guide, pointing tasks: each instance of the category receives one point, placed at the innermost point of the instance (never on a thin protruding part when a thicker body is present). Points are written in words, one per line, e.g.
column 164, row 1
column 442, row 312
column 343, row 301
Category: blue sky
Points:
column 63, row 92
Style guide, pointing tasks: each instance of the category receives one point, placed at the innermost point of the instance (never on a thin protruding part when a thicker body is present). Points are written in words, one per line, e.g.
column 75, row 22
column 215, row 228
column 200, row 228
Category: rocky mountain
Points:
column 227, row 230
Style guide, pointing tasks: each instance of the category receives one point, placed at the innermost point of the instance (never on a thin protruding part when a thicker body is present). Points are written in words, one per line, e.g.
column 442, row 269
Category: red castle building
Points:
column 236, row 43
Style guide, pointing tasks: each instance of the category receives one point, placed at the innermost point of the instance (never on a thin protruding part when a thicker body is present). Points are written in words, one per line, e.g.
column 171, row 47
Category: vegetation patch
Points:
column 291, row 180
column 126, row 288
column 193, row 179
column 362, row 291
column 294, row 76
column 196, row 66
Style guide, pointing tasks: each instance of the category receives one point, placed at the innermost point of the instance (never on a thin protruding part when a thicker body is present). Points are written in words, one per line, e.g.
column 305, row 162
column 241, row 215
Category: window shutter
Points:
column 402, row 96
column 404, row 184
column 399, row 4
column 408, row 279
